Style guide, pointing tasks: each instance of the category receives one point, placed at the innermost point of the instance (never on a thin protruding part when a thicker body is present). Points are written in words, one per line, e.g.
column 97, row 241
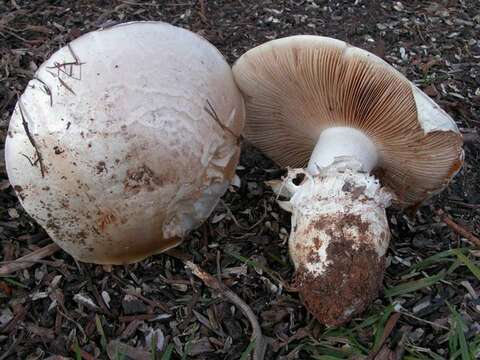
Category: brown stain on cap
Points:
column 105, row 217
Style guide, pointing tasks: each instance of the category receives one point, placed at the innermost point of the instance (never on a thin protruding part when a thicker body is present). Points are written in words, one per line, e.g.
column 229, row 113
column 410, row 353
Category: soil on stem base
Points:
column 352, row 279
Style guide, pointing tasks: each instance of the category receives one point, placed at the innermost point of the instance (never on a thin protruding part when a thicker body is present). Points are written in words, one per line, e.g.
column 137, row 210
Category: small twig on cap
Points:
column 65, row 85
column 31, row 139
column 77, row 60
column 33, row 163
column 458, row 228
column 62, row 68
column 211, row 111
column 47, row 89
column 28, row 260
column 213, row 283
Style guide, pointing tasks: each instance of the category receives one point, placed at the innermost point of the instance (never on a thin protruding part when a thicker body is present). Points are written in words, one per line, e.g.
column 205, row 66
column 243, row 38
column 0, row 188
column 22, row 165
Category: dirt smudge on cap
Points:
column 144, row 178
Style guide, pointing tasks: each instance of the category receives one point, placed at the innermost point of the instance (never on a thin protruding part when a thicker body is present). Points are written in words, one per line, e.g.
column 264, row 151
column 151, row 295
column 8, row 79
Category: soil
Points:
column 353, row 277
column 59, row 308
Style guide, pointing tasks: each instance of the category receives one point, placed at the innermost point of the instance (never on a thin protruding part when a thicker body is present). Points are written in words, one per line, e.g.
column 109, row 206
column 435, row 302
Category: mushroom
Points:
column 125, row 140
column 367, row 136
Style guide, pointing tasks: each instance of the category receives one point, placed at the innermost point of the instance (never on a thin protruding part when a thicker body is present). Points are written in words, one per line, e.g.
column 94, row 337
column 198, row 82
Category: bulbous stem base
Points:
column 348, row 286
column 338, row 240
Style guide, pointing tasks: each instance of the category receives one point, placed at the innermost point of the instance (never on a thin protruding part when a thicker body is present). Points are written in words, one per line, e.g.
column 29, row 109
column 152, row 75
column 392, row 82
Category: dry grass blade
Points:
column 213, row 283
column 458, row 228
column 28, row 260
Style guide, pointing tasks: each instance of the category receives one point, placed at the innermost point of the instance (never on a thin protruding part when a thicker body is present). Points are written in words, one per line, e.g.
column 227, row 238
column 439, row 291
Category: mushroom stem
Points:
column 338, row 239
column 343, row 141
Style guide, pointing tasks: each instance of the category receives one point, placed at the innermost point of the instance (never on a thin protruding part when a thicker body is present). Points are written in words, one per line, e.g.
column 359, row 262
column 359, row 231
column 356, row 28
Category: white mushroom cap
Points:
column 298, row 86
column 125, row 140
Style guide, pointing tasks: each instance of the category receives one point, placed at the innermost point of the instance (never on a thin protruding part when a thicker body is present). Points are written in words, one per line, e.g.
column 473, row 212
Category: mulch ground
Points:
column 430, row 306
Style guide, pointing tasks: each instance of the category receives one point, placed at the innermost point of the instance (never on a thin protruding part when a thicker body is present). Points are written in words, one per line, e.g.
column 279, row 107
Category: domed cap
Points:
column 125, row 140
column 298, row 86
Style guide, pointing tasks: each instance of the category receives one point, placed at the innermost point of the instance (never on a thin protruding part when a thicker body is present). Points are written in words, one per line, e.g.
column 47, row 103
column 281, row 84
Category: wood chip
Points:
column 28, row 260
column 458, row 228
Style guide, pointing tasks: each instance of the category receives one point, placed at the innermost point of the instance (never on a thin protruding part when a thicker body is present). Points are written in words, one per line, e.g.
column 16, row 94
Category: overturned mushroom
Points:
column 367, row 135
column 125, row 140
